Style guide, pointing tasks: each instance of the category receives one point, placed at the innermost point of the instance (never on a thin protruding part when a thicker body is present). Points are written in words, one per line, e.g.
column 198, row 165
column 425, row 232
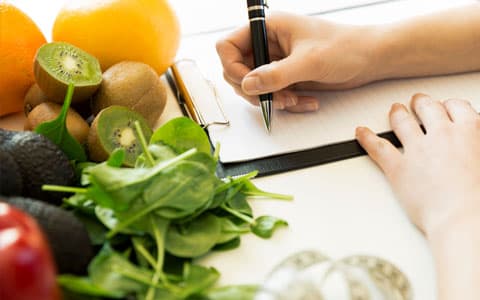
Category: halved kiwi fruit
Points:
column 58, row 64
column 114, row 127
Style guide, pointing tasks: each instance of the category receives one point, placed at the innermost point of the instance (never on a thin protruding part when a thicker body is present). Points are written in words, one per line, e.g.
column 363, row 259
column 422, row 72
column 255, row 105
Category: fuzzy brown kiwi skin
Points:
column 56, row 90
column 134, row 85
column 48, row 111
column 34, row 97
column 96, row 152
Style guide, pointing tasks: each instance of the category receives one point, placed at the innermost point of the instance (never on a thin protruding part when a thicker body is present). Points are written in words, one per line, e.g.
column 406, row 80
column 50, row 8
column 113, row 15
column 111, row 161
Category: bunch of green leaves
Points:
column 154, row 219
column 56, row 131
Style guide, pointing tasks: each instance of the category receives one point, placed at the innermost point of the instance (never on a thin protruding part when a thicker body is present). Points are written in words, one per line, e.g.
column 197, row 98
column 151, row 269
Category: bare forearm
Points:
column 456, row 250
column 442, row 43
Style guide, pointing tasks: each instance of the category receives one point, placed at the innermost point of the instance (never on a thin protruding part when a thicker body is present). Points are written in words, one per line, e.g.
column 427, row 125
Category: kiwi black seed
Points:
column 58, row 64
column 114, row 127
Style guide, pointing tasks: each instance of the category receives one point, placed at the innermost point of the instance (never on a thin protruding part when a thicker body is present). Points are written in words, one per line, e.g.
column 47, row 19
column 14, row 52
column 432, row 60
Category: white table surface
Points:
column 340, row 208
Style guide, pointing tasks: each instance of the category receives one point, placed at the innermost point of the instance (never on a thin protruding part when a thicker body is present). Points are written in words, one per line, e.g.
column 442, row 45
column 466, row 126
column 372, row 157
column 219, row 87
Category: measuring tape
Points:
column 305, row 275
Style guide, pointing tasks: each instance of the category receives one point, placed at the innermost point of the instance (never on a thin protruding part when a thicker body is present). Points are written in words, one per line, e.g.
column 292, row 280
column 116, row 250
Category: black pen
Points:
column 258, row 32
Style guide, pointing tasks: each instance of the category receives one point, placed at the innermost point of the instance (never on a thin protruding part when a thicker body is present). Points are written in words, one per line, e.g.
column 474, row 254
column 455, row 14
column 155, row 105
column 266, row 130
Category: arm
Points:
column 456, row 253
column 441, row 43
column 310, row 53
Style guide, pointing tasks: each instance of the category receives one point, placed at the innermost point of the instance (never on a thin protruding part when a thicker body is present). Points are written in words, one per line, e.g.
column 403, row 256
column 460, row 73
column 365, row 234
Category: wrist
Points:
column 389, row 52
column 467, row 224
column 379, row 45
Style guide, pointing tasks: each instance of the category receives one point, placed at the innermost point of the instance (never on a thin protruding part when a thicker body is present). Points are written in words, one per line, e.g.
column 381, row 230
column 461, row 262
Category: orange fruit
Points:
column 19, row 40
column 117, row 30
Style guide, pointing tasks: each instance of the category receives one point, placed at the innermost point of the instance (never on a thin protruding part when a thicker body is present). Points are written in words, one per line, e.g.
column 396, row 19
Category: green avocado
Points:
column 10, row 178
column 39, row 162
column 67, row 236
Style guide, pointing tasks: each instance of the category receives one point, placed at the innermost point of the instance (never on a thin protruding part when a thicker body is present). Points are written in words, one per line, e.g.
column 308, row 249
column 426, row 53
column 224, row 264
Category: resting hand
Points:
column 437, row 175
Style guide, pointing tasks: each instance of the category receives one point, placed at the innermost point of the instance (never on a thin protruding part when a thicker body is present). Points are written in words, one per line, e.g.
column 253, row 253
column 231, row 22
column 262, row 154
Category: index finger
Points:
column 233, row 51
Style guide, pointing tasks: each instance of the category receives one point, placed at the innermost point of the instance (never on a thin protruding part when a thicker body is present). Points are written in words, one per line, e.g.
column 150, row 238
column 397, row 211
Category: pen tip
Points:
column 267, row 113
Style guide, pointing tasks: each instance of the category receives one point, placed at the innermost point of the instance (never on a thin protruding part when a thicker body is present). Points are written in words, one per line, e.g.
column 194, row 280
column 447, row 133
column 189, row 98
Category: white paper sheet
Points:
column 199, row 17
column 340, row 112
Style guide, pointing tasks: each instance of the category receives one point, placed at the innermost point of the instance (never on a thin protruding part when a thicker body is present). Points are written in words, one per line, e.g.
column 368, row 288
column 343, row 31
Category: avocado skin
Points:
column 67, row 236
column 10, row 178
column 40, row 162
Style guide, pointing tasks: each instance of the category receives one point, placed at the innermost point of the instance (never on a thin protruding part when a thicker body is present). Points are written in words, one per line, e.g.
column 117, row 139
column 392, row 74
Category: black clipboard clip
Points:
column 195, row 94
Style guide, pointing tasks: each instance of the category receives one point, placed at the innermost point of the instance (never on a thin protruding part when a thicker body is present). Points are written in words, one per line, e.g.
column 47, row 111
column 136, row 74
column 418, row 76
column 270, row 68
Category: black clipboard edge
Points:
column 301, row 159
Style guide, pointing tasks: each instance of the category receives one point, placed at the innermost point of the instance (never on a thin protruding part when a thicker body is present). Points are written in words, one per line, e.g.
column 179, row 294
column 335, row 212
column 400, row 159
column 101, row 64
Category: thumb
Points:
column 274, row 76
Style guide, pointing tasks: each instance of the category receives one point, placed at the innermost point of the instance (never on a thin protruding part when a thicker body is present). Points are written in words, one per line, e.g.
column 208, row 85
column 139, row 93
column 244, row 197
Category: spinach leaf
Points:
column 96, row 230
column 239, row 203
column 182, row 134
column 161, row 152
column 229, row 245
column 109, row 219
column 230, row 230
column 158, row 229
column 85, row 286
column 181, row 190
column 264, row 226
column 197, row 279
column 126, row 185
column 230, row 188
column 116, row 158
column 193, row 239
column 235, row 292
column 113, row 272
column 251, row 190
column 57, row 132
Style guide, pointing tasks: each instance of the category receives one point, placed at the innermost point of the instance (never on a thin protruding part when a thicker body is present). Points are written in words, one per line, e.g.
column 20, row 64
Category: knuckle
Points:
column 220, row 46
column 274, row 77
column 379, row 147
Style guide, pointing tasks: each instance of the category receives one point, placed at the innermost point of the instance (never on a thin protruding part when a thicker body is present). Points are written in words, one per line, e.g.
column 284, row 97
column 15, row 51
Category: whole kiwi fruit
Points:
column 36, row 96
column 58, row 64
column 134, row 85
column 48, row 111
column 114, row 127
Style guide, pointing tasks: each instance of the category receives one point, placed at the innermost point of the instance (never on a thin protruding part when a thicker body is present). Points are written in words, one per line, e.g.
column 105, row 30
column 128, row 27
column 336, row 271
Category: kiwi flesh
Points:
column 58, row 64
column 48, row 111
column 135, row 85
column 114, row 127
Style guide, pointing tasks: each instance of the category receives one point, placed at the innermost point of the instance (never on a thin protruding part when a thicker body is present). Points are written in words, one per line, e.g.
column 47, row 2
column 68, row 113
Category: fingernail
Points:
column 252, row 85
column 359, row 130
column 398, row 112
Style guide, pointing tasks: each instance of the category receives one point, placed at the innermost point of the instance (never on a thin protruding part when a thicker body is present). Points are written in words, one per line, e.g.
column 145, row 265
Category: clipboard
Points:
column 199, row 100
